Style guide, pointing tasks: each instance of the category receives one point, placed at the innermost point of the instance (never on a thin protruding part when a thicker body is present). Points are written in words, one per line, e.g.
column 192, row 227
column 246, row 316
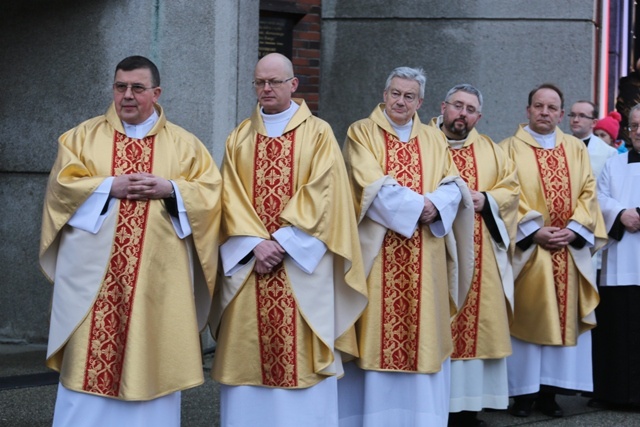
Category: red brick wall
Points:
column 306, row 52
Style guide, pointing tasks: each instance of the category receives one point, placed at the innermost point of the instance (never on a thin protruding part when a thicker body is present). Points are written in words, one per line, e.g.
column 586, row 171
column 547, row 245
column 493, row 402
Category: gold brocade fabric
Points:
column 401, row 263
column 554, row 298
column 276, row 306
column 464, row 328
column 557, row 192
column 264, row 336
column 481, row 326
column 406, row 326
column 140, row 337
column 113, row 307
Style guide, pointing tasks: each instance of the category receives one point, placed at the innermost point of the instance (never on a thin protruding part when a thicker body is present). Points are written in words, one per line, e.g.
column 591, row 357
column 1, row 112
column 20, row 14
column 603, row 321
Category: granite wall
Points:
column 504, row 48
column 59, row 58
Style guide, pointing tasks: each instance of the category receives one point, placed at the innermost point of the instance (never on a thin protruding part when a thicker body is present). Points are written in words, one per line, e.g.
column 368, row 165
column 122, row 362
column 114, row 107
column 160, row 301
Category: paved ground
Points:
column 25, row 402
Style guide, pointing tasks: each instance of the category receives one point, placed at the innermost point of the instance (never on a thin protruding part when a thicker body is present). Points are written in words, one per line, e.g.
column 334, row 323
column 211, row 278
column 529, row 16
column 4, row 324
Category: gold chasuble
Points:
column 555, row 293
column 268, row 333
column 406, row 326
column 130, row 300
column 481, row 328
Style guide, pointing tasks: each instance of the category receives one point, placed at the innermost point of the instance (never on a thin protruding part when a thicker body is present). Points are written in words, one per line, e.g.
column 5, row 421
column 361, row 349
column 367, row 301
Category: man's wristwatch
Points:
column 173, row 194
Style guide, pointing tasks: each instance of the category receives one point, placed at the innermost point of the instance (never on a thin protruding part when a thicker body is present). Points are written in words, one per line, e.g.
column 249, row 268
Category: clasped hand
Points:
column 140, row 186
column 631, row 220
column 551, row 238
column 429, row 212
column 268, row 254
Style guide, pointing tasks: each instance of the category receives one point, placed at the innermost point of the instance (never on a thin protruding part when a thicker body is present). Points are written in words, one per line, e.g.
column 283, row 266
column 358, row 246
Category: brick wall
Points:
column 306, row 52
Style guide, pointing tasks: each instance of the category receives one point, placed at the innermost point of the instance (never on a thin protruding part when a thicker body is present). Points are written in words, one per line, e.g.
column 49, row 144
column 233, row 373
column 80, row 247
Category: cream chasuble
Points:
column 284, row 329
column 135, row 307
column 406, row 326
column 481, row 328
column 555, row 293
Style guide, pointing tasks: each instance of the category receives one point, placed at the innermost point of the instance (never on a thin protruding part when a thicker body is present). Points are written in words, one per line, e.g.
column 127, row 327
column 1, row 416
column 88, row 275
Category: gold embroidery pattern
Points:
column 112, row 309
column 556, row 184
column 401, row 268
column 272, row 189
column 464, row 328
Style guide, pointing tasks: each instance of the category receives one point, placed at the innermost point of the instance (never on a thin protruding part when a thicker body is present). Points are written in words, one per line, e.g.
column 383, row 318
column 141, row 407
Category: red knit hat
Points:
column 610, row 124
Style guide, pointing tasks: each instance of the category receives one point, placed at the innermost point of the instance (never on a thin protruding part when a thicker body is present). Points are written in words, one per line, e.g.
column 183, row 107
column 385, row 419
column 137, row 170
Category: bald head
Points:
column 276, row 60
column 274, row 82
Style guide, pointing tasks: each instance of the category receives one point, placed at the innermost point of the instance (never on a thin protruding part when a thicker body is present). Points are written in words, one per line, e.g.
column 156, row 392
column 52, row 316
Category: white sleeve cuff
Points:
column 397, row 208
column 584, row 232
column 446, row 198
column 181, row 225
column 234, row 250
column 88, row 216
column 305, row 250
column 526, row 229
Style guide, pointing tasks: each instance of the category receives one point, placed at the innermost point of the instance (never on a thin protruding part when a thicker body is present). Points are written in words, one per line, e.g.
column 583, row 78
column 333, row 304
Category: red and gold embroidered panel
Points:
column 401, row 268
column 556, row 185
column 113, row 307
column 272, row 190
column 464, row 329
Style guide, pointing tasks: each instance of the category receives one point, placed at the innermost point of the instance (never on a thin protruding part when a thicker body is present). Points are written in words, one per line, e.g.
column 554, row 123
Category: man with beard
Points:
column 409, row 203
column 480, row 330
column 559, row 221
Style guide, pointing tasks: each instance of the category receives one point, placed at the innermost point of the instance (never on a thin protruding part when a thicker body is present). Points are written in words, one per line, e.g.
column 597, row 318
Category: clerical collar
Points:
column 586, row 140
column 546, row 141
column 453, row 143
column 141, row 130
column 276, row 123
column 403, row 131
column 634, row 156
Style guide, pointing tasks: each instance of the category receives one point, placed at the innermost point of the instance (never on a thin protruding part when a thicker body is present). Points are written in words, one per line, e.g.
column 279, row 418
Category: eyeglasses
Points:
column 579, row 116
column 408, row 97
column 634, row 127
column 459, row 106
column 273, row 84
column 135, row 88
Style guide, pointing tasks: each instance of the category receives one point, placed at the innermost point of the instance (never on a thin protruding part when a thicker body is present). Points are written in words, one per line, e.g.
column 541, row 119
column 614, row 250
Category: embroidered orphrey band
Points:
column 401, row 268
column 113, row 307
column 464, row 328
column 276, row 307
column 556, row 185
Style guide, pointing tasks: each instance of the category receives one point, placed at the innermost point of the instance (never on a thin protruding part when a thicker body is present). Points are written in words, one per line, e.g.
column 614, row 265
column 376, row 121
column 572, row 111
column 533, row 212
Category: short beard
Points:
column 462, row 133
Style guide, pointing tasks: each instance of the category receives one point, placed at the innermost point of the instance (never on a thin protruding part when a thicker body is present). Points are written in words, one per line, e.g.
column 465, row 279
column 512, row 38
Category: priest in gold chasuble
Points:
column 129, row 239
column 293, row 280
column 413, row 211
column 481, row 340
column 559, row 226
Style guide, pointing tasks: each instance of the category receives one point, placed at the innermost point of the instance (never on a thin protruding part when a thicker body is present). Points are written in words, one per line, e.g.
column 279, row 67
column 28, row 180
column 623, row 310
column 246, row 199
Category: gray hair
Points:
column 408, row 73
column 465, row 87
column 635, row 107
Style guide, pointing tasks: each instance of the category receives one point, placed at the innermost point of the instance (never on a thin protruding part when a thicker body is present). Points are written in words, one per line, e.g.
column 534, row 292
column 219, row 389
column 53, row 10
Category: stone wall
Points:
column 59, row 58
column 504, row 48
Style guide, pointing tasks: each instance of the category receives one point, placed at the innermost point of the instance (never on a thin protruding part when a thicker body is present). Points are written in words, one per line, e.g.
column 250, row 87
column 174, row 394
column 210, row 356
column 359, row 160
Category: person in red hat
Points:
column 607, row 128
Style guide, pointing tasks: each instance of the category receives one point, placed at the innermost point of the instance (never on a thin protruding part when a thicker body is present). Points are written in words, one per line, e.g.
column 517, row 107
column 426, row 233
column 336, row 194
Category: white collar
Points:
column 140, row 130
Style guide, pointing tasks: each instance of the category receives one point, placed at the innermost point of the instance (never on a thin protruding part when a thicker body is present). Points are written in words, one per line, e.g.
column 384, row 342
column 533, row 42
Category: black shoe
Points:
column 522, row 406
column 549, row 407
column 465, row 419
